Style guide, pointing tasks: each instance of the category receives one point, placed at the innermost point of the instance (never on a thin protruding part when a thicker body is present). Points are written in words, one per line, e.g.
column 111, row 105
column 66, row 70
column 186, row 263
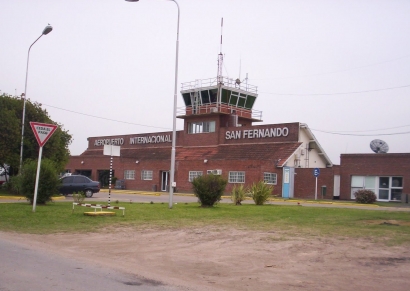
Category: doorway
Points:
column 164, row 180
column 104, row 177
column 288, row 181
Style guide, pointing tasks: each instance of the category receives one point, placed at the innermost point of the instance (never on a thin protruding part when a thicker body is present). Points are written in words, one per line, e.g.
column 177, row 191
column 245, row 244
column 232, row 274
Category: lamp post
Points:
column 46, row 30
column 174, row 117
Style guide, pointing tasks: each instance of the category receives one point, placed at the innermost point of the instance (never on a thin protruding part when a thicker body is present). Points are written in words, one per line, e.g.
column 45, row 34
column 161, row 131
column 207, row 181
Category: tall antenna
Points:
column 240, row 67
column 220, row 56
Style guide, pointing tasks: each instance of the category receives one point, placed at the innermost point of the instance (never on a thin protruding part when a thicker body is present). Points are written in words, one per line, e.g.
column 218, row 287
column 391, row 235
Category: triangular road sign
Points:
column 42, row 131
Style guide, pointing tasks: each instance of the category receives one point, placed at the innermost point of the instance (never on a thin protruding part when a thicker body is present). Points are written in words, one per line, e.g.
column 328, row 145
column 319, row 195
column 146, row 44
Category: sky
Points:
column 108, row 66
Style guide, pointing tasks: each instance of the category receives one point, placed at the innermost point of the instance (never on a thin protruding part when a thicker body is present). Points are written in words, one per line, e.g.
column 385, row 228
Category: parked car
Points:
column 76, row 183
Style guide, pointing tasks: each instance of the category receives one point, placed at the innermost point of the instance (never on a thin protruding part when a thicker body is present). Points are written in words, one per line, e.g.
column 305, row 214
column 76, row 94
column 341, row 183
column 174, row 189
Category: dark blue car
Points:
column 76, row 183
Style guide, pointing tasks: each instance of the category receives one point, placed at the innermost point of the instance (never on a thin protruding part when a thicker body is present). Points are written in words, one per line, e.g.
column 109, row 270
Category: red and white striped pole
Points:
column 109, row 184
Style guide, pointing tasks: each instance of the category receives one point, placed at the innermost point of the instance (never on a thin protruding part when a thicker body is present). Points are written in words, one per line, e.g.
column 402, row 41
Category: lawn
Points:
column 386, row 226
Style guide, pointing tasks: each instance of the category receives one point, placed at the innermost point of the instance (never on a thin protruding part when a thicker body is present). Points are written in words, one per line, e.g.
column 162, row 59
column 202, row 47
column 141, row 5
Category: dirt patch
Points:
column 387, row 222
column 234, row 259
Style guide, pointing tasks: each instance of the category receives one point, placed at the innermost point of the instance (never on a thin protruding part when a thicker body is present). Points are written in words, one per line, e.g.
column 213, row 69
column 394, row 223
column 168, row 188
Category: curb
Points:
column 12, row 197
column 131, row 192
column 24, row 198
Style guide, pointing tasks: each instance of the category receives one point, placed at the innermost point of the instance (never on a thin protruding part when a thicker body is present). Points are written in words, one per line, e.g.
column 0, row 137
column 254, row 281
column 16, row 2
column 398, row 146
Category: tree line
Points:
column 11, row 113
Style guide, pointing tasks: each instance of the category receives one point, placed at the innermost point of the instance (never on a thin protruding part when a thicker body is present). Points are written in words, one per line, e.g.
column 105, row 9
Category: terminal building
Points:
column 222, row 135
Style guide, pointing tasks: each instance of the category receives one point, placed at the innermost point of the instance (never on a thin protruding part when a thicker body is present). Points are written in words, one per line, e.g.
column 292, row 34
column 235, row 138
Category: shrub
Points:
column 14, row 184
column 238, row 194
column 260, row 192
column 47, row 184
column 79, row 196
column 365, row 196
column 209, row 189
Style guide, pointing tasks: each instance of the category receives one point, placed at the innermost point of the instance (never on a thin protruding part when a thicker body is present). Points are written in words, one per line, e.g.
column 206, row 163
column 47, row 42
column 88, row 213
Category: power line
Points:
column 342, row 93
column 337, row 71
column 372, row 129
column 350, row 134
column 99, row 117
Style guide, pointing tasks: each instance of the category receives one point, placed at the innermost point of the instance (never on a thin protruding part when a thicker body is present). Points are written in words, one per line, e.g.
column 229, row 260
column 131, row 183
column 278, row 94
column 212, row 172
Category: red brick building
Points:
column 219, row 137
column 387, row 175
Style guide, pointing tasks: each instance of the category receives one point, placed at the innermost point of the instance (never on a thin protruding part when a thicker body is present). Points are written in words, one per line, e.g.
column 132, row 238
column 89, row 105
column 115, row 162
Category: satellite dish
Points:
column 379, row 146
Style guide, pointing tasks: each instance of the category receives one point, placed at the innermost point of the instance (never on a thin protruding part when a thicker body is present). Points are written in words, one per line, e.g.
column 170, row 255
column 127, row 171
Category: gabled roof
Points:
column 319, row 148
column 277, row 152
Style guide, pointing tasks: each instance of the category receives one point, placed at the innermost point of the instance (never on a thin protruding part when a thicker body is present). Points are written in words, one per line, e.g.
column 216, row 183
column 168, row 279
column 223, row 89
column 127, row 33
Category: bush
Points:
column 47, row 184
column 365, row 196
column 14, row 184
column 238, row 194
column 260, row 192
column 209, row 189
column 79, row 196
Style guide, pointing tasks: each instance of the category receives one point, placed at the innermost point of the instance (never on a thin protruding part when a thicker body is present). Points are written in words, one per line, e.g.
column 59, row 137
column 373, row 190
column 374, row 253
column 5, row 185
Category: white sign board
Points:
column 111, row 150
column 42, row 131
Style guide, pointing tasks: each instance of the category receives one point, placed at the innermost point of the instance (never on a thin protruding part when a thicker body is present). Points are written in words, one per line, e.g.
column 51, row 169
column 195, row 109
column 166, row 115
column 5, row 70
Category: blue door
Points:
column 288, row 182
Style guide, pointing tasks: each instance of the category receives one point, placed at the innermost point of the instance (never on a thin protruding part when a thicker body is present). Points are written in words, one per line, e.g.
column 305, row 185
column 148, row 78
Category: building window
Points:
column 236, row 177
column 385, row 188
column 396, row 188
column 129, row 174
column 194, row 174
column 269, row 178
column 146, row 175
column 201, row 126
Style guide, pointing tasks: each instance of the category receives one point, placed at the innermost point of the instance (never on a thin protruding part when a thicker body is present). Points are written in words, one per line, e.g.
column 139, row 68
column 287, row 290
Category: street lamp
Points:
column 46, row 30
column 174, row 117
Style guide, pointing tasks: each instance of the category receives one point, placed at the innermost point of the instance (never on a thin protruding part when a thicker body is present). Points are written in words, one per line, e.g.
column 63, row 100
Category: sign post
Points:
column 42, row 132
column 111, row 150
column 316, row 173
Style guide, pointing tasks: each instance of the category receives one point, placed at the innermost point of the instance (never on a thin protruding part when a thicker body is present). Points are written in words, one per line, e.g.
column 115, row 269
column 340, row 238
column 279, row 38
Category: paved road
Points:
column 27, row 268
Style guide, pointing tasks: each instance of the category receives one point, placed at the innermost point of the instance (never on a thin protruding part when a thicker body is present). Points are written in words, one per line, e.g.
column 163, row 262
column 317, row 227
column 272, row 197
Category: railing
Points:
column 211, row 82
column 220, row 108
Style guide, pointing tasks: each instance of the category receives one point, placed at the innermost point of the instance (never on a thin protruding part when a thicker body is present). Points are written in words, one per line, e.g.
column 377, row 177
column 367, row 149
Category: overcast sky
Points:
column 107, row 68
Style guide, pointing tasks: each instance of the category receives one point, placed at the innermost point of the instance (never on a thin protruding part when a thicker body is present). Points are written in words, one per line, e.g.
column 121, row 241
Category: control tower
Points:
column 231, row 100
column 220, row 96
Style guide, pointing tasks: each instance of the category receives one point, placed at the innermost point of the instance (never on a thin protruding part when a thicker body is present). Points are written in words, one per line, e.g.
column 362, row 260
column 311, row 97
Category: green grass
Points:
column 291, row 220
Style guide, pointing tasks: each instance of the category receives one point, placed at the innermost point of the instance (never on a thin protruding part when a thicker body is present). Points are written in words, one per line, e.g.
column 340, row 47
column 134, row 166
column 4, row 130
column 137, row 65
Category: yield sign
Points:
column 42, row 131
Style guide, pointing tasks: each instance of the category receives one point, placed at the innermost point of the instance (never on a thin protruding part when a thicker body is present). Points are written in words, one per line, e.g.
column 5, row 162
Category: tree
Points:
column 11, row 112
column 209, row 189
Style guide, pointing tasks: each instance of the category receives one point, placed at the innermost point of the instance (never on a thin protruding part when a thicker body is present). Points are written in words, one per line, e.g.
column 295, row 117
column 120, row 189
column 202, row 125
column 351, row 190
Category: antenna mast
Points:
column 220, row 56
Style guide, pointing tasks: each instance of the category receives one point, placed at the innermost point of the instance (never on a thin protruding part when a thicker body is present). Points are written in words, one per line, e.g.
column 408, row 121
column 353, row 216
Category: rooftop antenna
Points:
column 238, row 80
column 379, row 146
column 220, row 56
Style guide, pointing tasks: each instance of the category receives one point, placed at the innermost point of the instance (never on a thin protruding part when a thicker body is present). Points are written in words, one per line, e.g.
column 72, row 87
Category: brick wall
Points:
column 254, row 169
column 253, row 172
column 305, row 182
column 373, row 165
